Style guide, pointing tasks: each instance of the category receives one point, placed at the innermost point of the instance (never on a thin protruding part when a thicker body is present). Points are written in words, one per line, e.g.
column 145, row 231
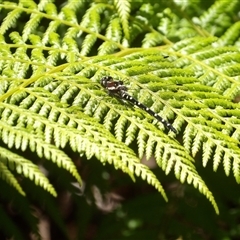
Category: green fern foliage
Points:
column 22, row 166
column 221, row 14
column 51, row 99
column 7, row 176
column 123, row 9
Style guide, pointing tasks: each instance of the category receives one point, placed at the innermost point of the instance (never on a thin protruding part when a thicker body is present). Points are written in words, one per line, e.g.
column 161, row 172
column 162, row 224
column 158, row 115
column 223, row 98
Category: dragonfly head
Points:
column 105, row 80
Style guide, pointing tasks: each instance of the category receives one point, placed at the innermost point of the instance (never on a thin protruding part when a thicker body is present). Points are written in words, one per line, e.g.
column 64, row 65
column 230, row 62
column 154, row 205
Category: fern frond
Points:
column 20, row 139
column 152, row 40
column 11, row 19
column 7, row 176
column 52, row 102
column 123, row 8
column 95, row 144
column 88, row 44
column 91, row 20
column 218, row 17
column 198, row 106
column 46, row 108
column 231, row 36
column 31, row 26
column 24, row 167
column 114, row 32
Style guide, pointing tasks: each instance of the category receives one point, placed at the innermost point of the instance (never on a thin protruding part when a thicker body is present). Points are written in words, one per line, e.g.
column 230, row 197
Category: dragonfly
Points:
column 118, row 89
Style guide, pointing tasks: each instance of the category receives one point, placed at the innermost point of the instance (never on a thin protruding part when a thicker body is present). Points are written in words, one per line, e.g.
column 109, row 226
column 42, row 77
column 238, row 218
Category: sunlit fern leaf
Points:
column 217, row 159
column 49, row 7
column 107, row 48
column 183, row 174
column 31, row 26
column 197, row 142
column 135, row 28
column 58, row 104
column 24, row 167
column 91, row 106
column 54, row 54
column 208, row 147
column 187, row 137
column 146, row 174
column 7, row 176
column 230, row 37
column 130, row 136
column 69, row 14
column 51, row 28
column 221, row 13
column 9, row 134
column 91, row 19
column 96, row 138
column 150, row 147
column 141, row 140
column 236, row 166
column 109, row 118
column 87, row 44
column 152, row 39
column 123, row 8
column 114, row 30
column 120, row 128
column 11, row 18
column 190, row 113
column 51, row 99
column 227, row 163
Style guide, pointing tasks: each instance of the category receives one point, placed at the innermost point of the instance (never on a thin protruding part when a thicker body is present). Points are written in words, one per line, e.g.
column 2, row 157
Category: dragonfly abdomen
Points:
column 129, row 98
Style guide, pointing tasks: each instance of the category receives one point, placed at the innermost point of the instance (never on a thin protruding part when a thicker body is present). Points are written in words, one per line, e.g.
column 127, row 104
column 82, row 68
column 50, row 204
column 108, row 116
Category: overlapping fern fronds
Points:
column 50, row 96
